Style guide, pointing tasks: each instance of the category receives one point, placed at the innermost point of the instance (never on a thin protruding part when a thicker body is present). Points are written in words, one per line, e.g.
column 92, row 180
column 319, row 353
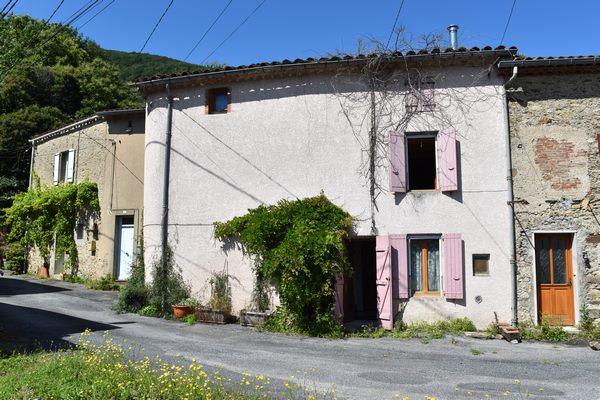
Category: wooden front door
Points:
column 554, row 279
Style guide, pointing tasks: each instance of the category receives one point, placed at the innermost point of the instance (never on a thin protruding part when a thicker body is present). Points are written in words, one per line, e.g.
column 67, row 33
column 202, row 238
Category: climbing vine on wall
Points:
column 298, row 246
column 45, row 217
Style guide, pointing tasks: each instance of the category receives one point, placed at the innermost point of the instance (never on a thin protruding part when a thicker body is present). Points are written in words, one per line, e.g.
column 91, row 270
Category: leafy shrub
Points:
column 134, row 295
column 167, row 286
column 190, row 319
column 220, row 292
column 15, row 258
column 298, row 246
column 150, row 311
column 104, row 283
column 433, row 330
column 544, row 332
column 189, row 302
column 73, row 278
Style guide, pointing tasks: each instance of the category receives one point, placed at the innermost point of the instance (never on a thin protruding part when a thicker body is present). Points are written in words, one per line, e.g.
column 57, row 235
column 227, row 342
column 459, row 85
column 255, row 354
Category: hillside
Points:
column 135, row 65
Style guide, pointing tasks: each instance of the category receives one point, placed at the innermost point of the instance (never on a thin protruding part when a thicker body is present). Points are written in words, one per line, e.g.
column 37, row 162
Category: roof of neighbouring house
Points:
column 539, row 64
column 79, row 124
column 461, row 54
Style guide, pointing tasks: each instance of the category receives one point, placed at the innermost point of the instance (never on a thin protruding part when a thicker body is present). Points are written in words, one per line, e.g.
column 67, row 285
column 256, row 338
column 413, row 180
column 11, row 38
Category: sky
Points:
column 290, row 29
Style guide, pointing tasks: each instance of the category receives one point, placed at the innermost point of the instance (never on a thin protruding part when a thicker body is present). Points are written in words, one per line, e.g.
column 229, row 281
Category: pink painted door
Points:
column 339, row 298
column 384, row 281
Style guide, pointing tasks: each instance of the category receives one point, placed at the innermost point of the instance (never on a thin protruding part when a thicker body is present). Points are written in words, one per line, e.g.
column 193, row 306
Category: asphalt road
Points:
column 55, row 313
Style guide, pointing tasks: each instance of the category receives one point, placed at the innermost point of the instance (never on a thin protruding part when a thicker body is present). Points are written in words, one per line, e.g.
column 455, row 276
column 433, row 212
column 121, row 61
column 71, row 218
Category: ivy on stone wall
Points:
column 298, row 246
column 45, row 218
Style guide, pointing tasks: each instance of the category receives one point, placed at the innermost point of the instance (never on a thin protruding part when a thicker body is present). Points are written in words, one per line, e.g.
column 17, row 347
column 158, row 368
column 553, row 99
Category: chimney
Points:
column 453, row 29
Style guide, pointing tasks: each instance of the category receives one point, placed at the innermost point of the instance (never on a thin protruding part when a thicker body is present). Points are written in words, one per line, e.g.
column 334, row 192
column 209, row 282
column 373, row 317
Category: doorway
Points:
column 554, row 272
column 124, row 245
column 362, row 290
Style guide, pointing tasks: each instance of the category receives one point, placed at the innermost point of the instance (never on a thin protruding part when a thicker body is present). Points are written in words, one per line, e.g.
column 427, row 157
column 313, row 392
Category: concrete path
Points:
column 57, row 312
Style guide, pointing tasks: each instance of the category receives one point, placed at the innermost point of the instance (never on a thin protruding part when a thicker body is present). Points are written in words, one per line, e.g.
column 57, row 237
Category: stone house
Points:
column 108, row 149
column 555, row 143
column 432, row 240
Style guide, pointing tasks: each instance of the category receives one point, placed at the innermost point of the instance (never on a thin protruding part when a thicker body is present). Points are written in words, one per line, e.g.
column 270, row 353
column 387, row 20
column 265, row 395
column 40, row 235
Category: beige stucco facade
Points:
column 108, row 150
column 292, row 137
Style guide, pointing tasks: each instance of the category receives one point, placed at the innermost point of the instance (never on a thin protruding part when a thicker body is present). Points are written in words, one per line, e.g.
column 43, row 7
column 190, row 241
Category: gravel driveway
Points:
column 55, row 313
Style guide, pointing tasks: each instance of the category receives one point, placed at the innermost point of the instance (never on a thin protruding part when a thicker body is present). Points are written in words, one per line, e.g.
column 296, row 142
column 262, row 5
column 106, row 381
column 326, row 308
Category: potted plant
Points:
column 218, row 310
column 258, row 312
column 44, row 271
column 185, row 307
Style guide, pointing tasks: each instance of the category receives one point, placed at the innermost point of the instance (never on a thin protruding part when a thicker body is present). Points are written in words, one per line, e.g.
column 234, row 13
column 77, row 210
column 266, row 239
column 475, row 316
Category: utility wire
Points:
column 55, row 10
column 394, row 27
column 95, row 15
column 234, row 31
column 208, row 30
column 156, row 25
column 5, row 6
column 508, row 21
column 5, row 13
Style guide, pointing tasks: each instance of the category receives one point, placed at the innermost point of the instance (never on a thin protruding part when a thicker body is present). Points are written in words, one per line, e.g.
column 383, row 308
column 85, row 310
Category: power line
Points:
column 208, row 30
column 394, row 27
column 234, row 31
column 5, row 13
column 55, row 10
column 508, row 21
column 95, row 15
column 156, row 25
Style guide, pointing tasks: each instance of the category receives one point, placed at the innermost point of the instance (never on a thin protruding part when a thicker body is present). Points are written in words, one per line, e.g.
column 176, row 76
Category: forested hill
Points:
column 136, row 65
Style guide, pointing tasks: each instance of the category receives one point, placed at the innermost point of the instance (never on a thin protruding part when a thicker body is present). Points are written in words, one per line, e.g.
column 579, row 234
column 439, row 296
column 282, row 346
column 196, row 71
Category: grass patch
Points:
column 103, row 372
column 104, row 283
column 476, row 352
column 423, row 330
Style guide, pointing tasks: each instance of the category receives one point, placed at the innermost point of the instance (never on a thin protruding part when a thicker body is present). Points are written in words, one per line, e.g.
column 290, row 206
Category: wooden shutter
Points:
column 447, row 160
column 399, row 266
column 70, row 165
column 427, row 102
column 339, row 298
column 55, row 177
column 384, row 281
column 453, row 266
column 397, row 162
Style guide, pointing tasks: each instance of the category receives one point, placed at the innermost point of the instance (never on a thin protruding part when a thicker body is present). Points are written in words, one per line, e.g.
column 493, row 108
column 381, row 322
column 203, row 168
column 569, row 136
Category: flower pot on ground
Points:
column 185, row 307
column 44, row 271
column 253, row 318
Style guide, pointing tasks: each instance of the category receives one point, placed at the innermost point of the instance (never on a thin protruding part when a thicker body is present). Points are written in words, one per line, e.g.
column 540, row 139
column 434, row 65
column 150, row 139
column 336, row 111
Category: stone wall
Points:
column 554, row 131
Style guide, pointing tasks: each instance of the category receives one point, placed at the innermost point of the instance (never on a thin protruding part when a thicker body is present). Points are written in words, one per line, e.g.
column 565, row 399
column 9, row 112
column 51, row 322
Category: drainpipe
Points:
column 166, row 173
column 509, row 177
column 31, row 164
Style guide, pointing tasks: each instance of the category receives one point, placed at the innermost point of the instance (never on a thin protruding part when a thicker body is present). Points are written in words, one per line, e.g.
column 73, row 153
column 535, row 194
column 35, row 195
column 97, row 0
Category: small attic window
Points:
column 218, row 101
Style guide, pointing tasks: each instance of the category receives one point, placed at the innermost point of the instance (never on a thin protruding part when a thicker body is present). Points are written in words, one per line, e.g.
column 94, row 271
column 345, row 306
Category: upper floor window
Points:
column 421, row 162
column 218, row 101
column 64, row 166
column 420, row 95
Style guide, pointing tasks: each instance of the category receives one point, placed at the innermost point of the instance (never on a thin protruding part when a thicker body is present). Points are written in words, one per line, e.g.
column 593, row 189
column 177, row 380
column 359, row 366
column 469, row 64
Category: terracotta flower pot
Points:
column 181, row 311
column 44, row 271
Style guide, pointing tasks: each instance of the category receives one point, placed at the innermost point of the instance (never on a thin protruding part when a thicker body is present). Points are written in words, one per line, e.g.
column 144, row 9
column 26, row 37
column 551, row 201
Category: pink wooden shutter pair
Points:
column 447, row 170
column 453, row 266
column 392, row 275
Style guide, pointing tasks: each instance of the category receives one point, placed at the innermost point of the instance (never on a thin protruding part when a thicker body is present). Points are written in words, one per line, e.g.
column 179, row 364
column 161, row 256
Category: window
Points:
column 218, row 101
column 420, row 95
column 421, row 162
column 64, row 166
column 481, row 264
column 425, row 266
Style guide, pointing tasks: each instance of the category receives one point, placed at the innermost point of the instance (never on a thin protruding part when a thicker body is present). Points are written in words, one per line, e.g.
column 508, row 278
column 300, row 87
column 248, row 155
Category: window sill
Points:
column 430, row 295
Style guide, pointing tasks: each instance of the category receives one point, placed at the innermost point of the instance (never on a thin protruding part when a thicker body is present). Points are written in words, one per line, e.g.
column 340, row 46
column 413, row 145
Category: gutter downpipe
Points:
column 166, row 173
column 509, row 177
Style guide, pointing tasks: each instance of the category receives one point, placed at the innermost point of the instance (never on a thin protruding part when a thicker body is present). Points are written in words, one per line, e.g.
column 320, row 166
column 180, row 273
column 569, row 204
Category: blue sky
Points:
column 309, row 28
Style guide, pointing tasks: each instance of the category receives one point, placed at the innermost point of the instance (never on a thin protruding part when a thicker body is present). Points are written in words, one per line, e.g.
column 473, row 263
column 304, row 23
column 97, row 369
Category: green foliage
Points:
column 190, row 319
column 189, row 302
column 433, row 330
column 104, row 283
column 15, row 258
column 134, row 295
column 299, row 247
column 476, row 352
column 45, row 217
column 150, row 311
column 220, row 292
column 167, row 286
column 544, row 332
column 73, row 279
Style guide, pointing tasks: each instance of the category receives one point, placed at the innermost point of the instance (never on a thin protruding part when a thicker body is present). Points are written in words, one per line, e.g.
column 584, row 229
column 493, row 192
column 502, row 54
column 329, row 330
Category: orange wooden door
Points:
column 554, row 279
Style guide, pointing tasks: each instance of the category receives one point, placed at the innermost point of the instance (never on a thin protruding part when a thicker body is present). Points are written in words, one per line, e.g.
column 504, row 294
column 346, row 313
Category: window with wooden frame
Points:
column 424, row 265
column 218, row 101
column 422, row 164
column 481, row 264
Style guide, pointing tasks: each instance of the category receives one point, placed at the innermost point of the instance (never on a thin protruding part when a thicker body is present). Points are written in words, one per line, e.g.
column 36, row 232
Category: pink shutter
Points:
column 447, row 172
column 384, row 281
column 427, row 91
column 399, row 266
column 453, row 266
column 397, row 162
column 339, row 298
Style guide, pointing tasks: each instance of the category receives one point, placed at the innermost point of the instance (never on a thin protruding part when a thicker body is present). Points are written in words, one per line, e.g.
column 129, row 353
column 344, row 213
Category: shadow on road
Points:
column 24, row 329
column 13, row 287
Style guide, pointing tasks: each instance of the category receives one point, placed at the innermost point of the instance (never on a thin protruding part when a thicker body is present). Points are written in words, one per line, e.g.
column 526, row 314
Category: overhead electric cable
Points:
column 156, row 25
column 508, row 21
column 55, row 10
column 234, row 31
column 5, row 13
column 395, row 23
column 95, row 15
column 208, row 30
